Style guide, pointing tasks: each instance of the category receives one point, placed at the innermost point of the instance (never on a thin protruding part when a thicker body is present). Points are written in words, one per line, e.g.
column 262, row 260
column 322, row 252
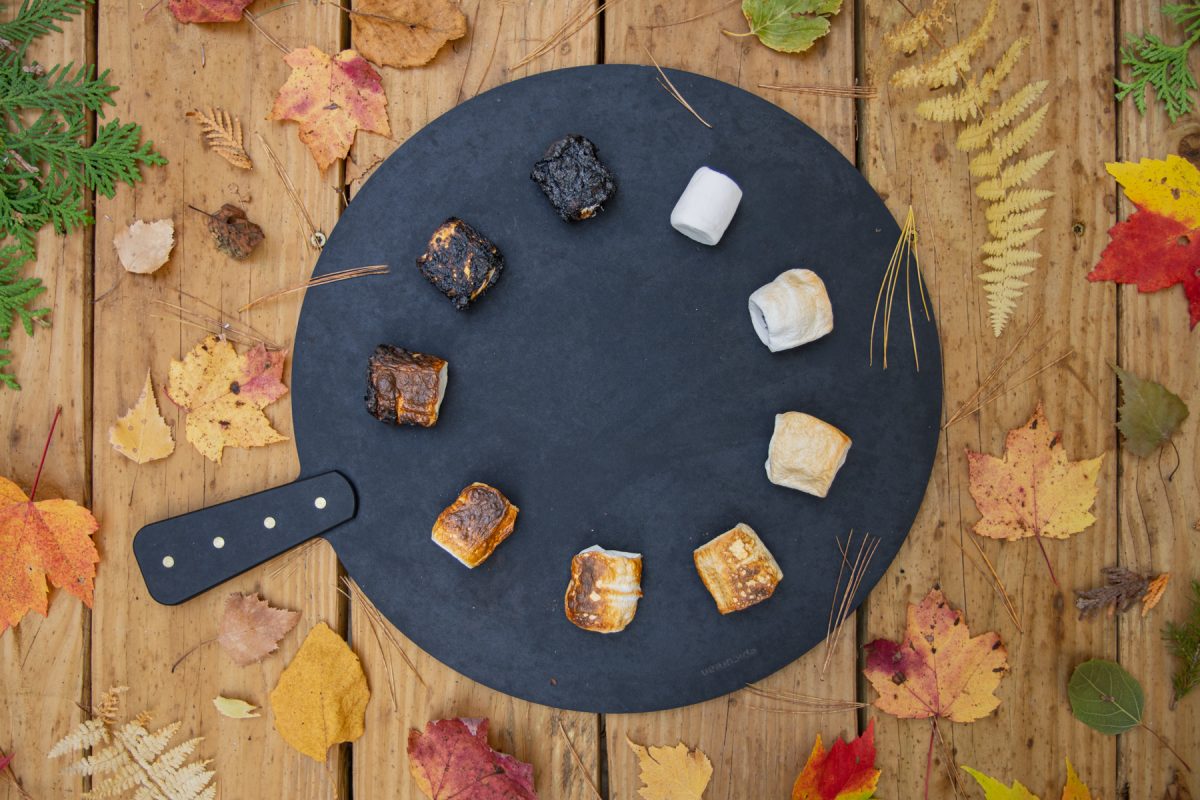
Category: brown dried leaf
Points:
column 1122, row 589
column 405, row 33
column 234, row 234
column 223, row 132
column 250, row 628
column 143, row 247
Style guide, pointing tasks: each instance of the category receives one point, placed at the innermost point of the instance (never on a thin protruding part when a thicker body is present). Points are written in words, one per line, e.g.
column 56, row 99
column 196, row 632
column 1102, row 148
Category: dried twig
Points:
column 810, row 704
column 316, row 237
column 574, row 23
column 376, row 619
column 665, row 82
column 903, row 255
column 860, row 92
column 333, row 277
column 582, row 767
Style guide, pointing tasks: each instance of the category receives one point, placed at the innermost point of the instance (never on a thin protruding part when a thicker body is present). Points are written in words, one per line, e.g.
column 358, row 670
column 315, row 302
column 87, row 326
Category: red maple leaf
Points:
column 452, row 759
column 844, row 772
column 208, row 10
column 1154, row 252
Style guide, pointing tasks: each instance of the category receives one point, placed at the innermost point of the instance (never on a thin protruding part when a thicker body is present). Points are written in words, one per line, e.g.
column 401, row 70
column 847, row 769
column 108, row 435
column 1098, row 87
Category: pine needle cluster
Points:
column 1000, row 131
column 128, row 760
column 1183, row 641
column 47, row 166
column 1156, row 65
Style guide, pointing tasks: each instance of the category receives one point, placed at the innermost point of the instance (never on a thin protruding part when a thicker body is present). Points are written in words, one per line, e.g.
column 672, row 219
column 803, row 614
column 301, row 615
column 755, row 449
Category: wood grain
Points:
column 735, row 731
column 1159, row 511
column 499, row 34
column 910, row 160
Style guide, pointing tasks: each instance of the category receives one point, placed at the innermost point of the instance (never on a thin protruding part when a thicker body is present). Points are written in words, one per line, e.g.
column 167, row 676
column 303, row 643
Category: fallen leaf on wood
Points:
column 1034, row 490
column 332, row 98
column 404, row 33
column 938, row 670
column 789, row 26
column 1121, row 590
column 321, row 698
column 671, row 773
column 251, row 629
column 452, row 759
column 234, row 708
column 49, row 539
column 208, row 10
column 234, row 234
column 223, row 133
column 846, row 772
column 1159, row 245
column 224, row 395
column 1075, row 788
column 1104, row 696
column 142, row 435
column 143, row 247
column 995, row 790
column 130, row 759
column 1149, row 414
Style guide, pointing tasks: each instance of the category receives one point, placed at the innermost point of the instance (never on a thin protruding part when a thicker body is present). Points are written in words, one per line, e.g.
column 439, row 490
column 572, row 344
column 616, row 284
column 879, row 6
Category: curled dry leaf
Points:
column 405, row 33
column 332, row 98
column 143, row 247
column 671, row 773
column 452, row 759
column 321, row 698
column 142, row 435
column 49, row 539
column 234, row 708
column 234, row 234
column 224, row 395
column 251, row 628
column 939, row 670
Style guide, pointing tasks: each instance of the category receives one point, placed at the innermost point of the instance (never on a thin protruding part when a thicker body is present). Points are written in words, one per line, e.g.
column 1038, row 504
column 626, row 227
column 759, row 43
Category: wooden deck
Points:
column 107, row 331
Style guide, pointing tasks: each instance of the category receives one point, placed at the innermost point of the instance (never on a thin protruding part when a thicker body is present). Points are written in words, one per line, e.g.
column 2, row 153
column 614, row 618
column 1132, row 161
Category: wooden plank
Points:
column 1158, row 512
column 910, row 160
column 499, row 34
column 43, row 661
column 754, row 753
column 168, row 69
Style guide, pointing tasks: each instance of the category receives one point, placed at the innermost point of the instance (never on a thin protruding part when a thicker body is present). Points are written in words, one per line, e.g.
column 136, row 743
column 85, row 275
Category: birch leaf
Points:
column 672, row 773
column 142, row 435
column 789, row 26
column 143, row 247
column 250, row 628
column 1149, row 414
column 234, row 708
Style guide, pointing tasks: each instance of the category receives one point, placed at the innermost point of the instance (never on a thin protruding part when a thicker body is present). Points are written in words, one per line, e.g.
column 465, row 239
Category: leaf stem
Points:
column 929, row 755
column 1163, row 742
column 1046, row 556
column 190, row 650
column 46, row 449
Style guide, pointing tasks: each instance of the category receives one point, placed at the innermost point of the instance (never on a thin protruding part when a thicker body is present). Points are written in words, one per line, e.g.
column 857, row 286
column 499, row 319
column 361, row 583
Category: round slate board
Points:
column 612, row 386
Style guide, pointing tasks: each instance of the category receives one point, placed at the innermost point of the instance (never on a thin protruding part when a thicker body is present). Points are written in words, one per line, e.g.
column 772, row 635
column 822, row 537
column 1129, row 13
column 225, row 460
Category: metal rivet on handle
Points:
column 219, row 542
column 269, row 523
column 319, row 502
column 168, row 562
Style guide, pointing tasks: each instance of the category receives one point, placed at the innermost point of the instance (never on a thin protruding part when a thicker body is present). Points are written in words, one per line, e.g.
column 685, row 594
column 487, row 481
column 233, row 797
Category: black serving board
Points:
column 612, row 386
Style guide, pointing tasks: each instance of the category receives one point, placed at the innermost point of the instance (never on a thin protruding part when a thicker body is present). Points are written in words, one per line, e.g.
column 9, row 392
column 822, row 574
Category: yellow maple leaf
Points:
column 142, row 434
column 332, row 98
column 321, row 698
column 1034, row 490
column 1170, row 187
column 224, row 395
column 995, row 790
column 672, row 773
column 1075, row 788
column 235, row 709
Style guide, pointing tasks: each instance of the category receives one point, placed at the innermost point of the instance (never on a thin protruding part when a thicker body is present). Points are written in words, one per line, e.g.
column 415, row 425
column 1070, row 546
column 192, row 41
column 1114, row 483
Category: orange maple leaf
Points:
column 939, row 671
column 47, row 539
column 332, row 97
column 1034, row 490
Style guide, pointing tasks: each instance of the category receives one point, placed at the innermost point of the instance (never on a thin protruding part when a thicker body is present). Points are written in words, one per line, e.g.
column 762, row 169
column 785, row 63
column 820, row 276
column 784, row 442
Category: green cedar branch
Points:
column 1162, row 67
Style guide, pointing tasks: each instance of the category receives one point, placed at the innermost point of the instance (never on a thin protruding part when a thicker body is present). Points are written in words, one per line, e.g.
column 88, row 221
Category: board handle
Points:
column 183, row 556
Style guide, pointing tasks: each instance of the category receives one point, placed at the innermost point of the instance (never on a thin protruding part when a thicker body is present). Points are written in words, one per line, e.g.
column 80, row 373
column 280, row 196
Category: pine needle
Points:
column 997, row 584
column 582, row 767
column 665, row 82
column 382, row 627
column 858, row 570
column 315, row 236
column 809, row 703
column 858, row 92
column 223, row 133
column 904, row 258
column 333, row 277
column 573, row 24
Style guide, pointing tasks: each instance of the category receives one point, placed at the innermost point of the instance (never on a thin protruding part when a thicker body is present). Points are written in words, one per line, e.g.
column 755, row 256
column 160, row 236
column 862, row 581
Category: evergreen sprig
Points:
column 47, row 166
column 1154, row 63
column 1183, row 641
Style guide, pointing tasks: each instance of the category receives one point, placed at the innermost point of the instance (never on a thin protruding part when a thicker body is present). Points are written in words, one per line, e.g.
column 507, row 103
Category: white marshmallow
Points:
column 791, row 310
column 706, row 206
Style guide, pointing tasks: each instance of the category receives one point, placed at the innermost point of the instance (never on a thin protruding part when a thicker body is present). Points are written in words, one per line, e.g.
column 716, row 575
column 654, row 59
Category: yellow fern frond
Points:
column 957, row 107
column 995, row 76
column 945, row 68
column 977, row 135
column 1003, row 289
column 1011, row 258
column 910, row 36
column 1011, row 241
column 1018, row 173
column 987, row 165
column 1015, row 222
column 223, row 132
column 1014, row 202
